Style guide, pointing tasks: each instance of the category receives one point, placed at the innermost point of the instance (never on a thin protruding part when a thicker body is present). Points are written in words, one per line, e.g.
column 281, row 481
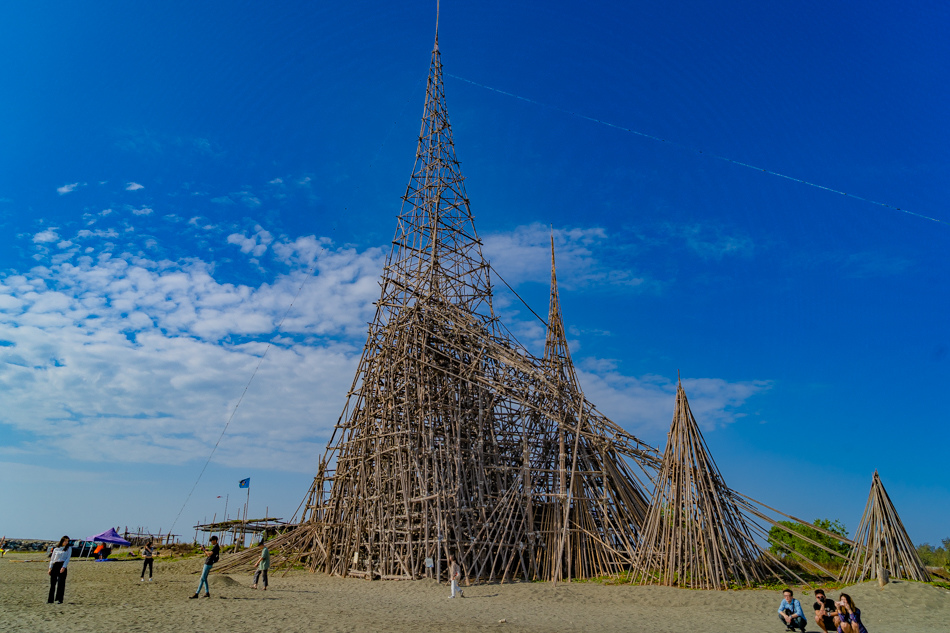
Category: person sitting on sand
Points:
column 790, row 612
column 263, row 564
column 826, row 612
column 209, row 561
column 849, row 616
column 3, row 541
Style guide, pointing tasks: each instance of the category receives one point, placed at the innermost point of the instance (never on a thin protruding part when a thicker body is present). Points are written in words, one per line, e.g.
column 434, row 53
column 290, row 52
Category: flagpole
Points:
column 246, row 504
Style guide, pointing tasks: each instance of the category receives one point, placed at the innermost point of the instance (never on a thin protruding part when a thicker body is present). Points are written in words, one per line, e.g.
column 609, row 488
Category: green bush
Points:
column 802, row 549
column 935, row 556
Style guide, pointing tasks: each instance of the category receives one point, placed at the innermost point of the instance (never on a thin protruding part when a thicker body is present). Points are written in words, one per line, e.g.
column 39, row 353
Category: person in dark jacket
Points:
column 209, row 561
column 148, row 555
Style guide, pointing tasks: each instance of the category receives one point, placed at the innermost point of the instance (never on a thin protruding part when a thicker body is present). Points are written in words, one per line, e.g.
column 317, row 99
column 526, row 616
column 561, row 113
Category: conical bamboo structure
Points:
column 455, row 439
column 695, row 534
column 882, row 541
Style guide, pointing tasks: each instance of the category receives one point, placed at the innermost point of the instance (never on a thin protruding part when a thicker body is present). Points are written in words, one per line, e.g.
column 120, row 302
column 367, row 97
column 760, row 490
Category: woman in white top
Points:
column 58, row 561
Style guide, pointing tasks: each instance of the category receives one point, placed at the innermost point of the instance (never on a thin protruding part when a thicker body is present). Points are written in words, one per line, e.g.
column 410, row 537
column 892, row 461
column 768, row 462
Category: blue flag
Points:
column 245, row 483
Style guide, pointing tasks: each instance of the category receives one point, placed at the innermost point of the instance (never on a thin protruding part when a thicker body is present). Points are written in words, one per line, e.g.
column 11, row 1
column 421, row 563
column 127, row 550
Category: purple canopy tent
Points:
column 109, row 536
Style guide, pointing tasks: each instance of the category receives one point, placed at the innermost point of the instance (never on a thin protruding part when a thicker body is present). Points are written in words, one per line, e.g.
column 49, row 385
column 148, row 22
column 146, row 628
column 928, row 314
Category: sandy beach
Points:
column 110, row 597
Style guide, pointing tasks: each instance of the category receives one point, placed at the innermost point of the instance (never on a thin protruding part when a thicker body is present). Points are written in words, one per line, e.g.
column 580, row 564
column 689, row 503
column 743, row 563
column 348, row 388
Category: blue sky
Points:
column 170, row 173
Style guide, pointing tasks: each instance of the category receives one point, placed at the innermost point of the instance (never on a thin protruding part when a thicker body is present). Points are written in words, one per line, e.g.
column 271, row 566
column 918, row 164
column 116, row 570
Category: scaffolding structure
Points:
column 455, row 440
column 238, row 529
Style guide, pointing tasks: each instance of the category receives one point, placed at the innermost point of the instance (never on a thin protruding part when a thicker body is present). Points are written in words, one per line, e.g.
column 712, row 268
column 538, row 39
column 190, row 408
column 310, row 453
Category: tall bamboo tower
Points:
column 881, row 540
column 422, row 464
column 455, row 439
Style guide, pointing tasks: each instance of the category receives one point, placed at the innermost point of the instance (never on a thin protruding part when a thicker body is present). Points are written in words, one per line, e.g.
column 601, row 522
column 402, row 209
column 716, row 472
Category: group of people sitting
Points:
column 841, row 616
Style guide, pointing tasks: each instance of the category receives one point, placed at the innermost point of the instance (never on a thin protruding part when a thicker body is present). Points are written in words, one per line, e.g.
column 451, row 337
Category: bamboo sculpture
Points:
column 882, row 542
column 455, row 439
column 695, row 534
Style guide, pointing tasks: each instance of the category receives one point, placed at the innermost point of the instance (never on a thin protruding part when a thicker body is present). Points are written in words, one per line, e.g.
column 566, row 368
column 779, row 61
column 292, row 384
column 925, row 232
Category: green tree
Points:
column 781, row 541
column 935, row 556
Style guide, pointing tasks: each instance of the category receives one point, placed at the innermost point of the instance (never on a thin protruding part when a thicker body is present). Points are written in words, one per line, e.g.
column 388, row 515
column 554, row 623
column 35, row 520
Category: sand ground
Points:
column 110, row 597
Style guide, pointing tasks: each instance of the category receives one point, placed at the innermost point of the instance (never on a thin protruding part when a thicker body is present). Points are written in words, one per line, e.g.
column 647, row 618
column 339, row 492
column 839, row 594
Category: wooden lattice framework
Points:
column 882, row 541
column 454, row 438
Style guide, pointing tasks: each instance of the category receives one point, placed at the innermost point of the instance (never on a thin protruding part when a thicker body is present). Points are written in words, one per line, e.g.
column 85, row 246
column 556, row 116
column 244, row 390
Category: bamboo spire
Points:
column 455, row 439
column 588, row 504
column 882, row 541
column 695, row 534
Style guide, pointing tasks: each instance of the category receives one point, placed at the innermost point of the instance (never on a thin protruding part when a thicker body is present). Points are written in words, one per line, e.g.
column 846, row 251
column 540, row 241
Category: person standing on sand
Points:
column 147, row 554
column 790, row 612
column 263, row 564
column 455, row 573
column 58, row 561
column 209, row 561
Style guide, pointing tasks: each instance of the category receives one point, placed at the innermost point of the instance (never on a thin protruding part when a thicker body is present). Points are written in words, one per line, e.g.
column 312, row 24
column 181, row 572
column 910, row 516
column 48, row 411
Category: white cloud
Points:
column 109, row 233
column 248, row 198
column 133, row 186
column 44, row 237
column 256, row 245
column 142, row 211
column 524, row 254
column 68, row 188
column 644, row 404
column 709, row 241
column 276, row 181
column 152, row 355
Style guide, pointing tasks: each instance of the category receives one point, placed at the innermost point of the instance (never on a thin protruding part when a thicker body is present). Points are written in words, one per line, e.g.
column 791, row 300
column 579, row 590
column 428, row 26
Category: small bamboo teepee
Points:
column 882, row 541
column 695, row 534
